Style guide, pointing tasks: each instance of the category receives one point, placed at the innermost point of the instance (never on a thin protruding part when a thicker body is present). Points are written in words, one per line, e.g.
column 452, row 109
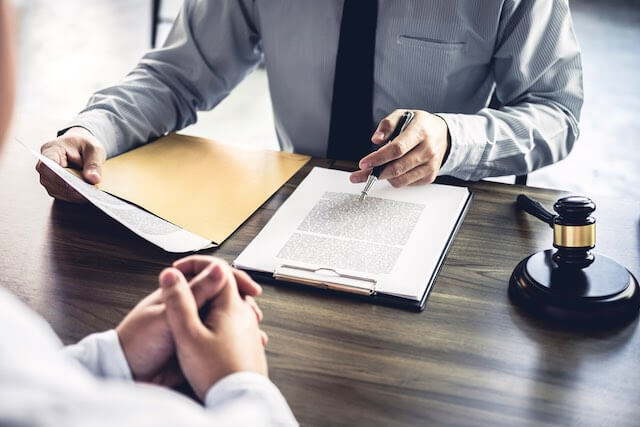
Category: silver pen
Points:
column 404, row 121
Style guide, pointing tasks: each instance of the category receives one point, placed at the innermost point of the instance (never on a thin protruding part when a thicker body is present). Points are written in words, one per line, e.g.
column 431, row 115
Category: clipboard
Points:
column 326, row 280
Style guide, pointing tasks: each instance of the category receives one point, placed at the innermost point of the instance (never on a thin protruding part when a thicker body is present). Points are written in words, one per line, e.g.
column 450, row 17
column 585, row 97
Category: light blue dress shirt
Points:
column 447, row 57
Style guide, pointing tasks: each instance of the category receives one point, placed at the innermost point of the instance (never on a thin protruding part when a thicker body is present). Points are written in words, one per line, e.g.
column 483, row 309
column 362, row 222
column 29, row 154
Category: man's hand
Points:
column 77, row 147
column 144, row 333
column 227, row 341
column 414, row 157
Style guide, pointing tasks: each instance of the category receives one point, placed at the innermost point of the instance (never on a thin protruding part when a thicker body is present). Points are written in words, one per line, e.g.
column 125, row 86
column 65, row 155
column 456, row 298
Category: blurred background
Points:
column 71, row 48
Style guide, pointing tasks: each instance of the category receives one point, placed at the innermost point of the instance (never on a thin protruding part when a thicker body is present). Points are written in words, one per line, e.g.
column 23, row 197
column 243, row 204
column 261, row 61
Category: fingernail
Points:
column 378, row 135
column 216, row 272
column 168, row 279
column 365, row 165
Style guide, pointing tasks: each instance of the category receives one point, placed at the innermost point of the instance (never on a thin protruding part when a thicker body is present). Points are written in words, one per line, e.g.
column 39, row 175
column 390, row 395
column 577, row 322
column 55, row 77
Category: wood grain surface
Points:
column 470, row 358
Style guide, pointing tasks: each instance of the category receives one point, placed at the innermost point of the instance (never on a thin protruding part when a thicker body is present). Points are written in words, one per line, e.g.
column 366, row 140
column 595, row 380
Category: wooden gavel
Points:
column 574, row 229
column 572, row 284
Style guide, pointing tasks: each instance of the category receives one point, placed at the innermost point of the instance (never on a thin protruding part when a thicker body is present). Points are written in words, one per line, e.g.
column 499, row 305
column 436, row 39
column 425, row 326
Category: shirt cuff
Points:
column 102, row 355
column 98, row 125
column 468, row 142
column 255, row 390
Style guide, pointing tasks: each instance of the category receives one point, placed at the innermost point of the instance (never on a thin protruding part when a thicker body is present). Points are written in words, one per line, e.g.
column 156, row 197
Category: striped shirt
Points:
column 505, row 75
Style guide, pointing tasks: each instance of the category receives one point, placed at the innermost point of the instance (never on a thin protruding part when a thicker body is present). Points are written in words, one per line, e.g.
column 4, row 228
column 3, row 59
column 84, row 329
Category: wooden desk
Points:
column 470, row 358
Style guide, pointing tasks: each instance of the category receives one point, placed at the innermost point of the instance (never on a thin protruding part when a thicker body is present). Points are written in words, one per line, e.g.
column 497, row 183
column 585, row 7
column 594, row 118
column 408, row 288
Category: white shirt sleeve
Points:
column 538, row 74
column 83, row 384
column 231, row 394
column 102, row 355
column 169, row 85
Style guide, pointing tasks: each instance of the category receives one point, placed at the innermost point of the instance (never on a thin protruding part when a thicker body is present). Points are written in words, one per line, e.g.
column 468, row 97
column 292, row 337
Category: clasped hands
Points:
column 413, row 158
column 201, row 325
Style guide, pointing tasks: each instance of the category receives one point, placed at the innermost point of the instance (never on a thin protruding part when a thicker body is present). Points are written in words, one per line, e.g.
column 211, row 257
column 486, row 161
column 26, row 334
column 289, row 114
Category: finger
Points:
column 194, row 264
column 54, row 152
column 181, row 309
column 359, row 176
column 386, row 127
column 228, row 295
column 394, row 149
column 63, row 152
column 93, row 157
column 264, row 338
column 207, row 284
column 254, row 305
column 422, row 172
column 56, row 186
column 246, row 285
column 404, row 164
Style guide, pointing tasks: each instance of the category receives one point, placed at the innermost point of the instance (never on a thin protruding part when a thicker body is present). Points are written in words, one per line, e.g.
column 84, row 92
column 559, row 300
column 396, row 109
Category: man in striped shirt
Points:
column 496, row 85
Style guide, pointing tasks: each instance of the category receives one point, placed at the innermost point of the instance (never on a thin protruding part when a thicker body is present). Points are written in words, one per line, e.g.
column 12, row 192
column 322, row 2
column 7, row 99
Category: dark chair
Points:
column 156, row 20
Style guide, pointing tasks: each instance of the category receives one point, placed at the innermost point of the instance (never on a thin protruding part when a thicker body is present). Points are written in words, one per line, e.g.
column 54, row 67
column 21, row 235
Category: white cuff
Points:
column 102, row 355
column 261, row 398
column 468, row 142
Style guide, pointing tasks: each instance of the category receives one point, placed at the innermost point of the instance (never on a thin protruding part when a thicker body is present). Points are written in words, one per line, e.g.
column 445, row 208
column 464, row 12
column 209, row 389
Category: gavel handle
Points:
column 535, row 208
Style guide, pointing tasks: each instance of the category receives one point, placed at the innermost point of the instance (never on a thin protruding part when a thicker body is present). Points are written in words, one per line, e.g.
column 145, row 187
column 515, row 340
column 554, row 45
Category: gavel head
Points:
column 574, row 231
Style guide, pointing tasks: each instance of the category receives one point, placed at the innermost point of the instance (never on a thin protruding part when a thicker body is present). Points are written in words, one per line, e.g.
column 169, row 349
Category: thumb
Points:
column 181, row 308
column 229, row 294
column 92, row 159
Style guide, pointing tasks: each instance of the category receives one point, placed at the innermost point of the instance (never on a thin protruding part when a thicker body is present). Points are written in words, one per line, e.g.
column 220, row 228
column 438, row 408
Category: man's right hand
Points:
column 76, row 147
column 228, row 340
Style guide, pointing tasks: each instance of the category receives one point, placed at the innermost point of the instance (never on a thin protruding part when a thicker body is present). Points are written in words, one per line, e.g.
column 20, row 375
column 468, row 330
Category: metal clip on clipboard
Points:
column 326, row 278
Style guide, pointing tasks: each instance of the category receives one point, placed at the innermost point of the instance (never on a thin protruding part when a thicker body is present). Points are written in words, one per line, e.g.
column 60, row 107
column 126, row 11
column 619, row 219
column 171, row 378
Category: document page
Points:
column 146, row 225
column 348, row 234
column 395, row 237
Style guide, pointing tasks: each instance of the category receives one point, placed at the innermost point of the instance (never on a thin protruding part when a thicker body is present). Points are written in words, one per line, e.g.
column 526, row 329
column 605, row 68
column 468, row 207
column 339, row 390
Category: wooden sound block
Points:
column 603, row 294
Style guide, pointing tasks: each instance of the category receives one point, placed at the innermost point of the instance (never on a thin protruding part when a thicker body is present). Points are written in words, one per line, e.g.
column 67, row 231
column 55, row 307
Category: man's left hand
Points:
column 414, row 157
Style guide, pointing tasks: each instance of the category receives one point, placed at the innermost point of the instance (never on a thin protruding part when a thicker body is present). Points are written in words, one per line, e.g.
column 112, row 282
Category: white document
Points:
column 156, row 230
column 394, row 238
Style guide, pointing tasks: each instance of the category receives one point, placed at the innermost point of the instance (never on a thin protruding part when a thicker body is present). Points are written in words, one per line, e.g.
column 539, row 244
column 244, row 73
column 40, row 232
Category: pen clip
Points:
column 410, row 115
column 402, row 124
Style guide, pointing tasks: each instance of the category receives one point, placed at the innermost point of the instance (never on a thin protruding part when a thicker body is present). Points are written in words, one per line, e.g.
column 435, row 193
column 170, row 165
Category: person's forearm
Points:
column 101, row 354
column 538, row 86
column 510, row 141
column 199, row 65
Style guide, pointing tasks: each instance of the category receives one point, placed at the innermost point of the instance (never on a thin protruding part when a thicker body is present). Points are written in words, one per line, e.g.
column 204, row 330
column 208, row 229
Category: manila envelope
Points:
column 203, row 186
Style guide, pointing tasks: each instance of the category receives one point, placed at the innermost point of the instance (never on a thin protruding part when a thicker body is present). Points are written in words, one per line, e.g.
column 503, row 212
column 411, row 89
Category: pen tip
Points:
column 363, row 196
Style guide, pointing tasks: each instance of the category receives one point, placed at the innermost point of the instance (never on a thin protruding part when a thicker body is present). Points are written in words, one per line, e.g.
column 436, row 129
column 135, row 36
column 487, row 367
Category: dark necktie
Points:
column 352, row 105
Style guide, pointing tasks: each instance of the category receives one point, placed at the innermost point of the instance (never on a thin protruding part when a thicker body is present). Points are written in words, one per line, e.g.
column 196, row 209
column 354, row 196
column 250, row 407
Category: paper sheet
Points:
column 330, row 236
column 148, row 226
column 203, row 186
column 395, row 237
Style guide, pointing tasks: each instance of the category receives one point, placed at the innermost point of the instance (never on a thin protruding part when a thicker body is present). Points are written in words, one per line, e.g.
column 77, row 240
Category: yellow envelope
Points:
column 203, row 186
